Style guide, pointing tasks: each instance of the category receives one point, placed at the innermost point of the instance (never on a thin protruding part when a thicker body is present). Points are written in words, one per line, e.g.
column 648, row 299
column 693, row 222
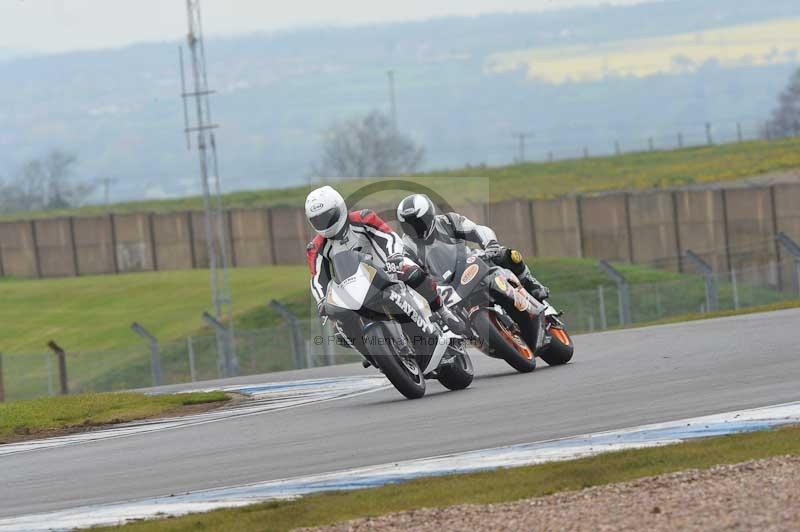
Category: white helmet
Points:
column 326, row 211
column 417, row 216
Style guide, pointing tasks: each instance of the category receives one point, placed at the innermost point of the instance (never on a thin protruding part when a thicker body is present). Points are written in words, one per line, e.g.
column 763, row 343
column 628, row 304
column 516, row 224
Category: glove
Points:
column 321, row 309
column 394, row 264
column 493, row 249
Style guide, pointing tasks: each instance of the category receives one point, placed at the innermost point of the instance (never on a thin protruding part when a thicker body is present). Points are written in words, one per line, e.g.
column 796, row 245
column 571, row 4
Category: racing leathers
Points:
column 455, row 228
column 367, row 233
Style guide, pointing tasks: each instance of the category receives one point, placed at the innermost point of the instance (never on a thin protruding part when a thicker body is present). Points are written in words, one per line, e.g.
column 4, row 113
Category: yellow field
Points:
column 763, row 43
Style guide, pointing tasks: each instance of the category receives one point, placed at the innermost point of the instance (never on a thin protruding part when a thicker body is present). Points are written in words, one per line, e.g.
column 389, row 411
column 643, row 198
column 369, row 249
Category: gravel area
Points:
column 760, row 495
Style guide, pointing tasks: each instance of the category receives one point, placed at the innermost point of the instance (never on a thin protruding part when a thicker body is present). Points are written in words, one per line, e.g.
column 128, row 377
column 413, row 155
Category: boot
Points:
column 446, row 318
column 534, row 287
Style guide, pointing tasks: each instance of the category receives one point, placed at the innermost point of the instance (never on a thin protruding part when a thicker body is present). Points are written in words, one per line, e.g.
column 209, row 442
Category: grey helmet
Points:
column 417, row 216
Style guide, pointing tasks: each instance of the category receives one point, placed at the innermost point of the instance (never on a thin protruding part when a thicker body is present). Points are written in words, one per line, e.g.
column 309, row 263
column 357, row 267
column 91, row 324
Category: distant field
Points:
column 636, row 171
column 763, row 43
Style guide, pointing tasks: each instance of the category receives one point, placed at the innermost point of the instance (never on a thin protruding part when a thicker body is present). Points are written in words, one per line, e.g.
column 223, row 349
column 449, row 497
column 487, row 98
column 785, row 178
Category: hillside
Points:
column 637, row 171
column 463, row 86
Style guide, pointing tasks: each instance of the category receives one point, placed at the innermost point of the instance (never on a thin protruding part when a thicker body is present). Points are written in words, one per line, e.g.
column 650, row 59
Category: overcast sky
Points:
column 62, row 25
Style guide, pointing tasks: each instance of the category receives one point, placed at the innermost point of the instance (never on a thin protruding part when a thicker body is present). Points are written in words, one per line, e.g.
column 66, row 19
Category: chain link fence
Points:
column 26, row 376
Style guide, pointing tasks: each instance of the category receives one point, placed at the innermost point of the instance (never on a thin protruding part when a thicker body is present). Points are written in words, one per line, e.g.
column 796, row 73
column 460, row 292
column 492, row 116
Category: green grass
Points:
column 633, row 171
column 94, row 313
column 38, row 416
column 485, row 488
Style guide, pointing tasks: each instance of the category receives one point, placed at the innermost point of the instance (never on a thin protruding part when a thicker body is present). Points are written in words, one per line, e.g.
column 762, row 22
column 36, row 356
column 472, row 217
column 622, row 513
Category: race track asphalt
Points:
column 618, row 379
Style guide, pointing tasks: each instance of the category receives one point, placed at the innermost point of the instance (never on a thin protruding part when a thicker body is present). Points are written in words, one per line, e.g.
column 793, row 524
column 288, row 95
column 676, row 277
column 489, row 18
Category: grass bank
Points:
column 485, row 488
column 55, row 415
column 635, row 171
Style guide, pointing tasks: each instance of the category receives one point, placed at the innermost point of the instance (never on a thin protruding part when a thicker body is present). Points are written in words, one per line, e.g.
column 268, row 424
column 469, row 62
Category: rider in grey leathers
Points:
column 422, row 227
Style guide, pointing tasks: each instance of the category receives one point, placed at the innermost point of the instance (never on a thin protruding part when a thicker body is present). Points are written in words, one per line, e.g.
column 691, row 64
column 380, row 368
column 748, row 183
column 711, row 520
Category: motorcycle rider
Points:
column 363, row 231
column 422, row 227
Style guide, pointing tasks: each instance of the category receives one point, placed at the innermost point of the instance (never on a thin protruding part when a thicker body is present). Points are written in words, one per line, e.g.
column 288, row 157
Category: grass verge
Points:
column 57, row 415
column 490, row 487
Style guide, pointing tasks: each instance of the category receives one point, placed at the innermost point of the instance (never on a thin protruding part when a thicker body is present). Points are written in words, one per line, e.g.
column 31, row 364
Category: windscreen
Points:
column 441, row 260
column 345, row 264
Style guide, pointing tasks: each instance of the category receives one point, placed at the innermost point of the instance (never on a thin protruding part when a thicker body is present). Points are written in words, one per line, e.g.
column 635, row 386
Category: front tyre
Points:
column 402, row 371
column 560, row 349
column 457, row 375
column 503, row 342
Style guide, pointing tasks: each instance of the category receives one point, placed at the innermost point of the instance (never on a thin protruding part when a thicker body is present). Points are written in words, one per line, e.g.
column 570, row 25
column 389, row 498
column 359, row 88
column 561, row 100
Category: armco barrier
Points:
column 730, row 228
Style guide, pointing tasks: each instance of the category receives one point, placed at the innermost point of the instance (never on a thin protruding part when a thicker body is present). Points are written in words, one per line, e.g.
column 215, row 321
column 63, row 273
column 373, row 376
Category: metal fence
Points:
column 196, row 358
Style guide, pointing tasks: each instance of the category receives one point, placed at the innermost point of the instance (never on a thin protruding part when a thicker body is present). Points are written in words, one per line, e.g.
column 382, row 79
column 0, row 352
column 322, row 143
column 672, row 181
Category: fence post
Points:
column 50, row 388
column 190, row 346
column 623, row 290
column 735, row 287
column 601, row 296
column 793, row 248
column 229, row 360
column 298, row 345
column 709, row 138
column 650, row 144
column 739, row 135
column 680, row 141
column 712, row 303
column 155, row 355
column 328, row 347
column 62, row 365
column 2, row 387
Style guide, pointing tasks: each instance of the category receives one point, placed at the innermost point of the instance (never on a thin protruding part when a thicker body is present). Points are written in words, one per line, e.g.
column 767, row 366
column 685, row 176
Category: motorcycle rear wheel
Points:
column 504, row 343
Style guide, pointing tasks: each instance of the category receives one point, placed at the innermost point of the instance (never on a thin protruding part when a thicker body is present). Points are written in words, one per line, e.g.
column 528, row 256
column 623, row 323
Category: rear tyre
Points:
column 458, row 375
column 403, row 372
column 502, row 342
column 560, row 349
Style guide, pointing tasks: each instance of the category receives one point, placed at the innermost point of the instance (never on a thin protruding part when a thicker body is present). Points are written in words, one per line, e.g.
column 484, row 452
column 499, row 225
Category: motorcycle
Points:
column 397, row 335
column 507, row 321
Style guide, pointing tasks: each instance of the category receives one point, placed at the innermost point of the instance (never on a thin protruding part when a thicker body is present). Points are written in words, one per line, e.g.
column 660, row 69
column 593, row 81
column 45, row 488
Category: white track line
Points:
column 266, row 398
column 481, row 460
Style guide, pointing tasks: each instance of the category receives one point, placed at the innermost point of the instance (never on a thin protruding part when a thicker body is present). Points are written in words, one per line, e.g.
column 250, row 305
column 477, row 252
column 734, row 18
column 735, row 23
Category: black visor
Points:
column 418, row 226
column 325, row 220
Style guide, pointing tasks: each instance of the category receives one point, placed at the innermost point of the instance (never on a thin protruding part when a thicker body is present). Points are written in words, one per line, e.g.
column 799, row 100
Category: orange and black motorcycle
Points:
column 506, row 321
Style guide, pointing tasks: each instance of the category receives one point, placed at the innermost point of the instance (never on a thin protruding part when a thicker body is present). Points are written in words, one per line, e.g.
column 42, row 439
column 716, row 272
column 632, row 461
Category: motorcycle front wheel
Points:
column 402, row 371
column 560, row 349
column 458, row 374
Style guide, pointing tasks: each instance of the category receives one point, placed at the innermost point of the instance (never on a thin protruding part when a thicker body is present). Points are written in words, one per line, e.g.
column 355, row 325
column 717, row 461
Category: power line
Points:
column 215, row 226
column 522, row 137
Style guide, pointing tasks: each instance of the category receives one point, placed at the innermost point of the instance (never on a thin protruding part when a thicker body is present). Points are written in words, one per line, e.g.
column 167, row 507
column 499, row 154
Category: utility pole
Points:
column 107, row 182
column 521, row 137
column 215, row 226
column 392, row 100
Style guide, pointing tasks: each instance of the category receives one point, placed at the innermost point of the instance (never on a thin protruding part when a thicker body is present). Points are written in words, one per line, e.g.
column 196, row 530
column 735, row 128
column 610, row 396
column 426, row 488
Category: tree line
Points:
column 44, row 183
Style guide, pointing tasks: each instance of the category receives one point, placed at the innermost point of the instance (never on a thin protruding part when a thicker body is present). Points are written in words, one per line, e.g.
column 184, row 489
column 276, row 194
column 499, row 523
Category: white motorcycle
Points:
column 395, row 331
